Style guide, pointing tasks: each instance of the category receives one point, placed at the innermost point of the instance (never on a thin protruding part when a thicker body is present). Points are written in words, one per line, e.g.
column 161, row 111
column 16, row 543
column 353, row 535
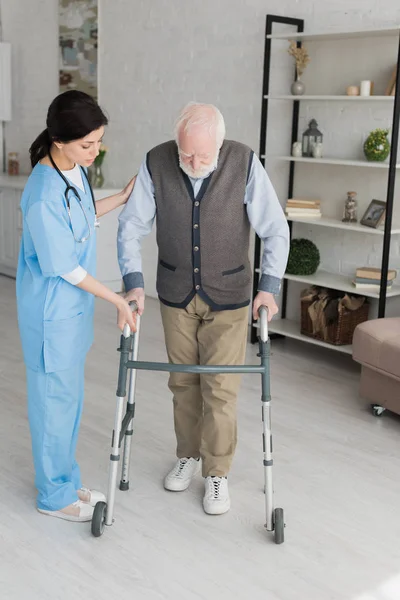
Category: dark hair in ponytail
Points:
column 71, row 116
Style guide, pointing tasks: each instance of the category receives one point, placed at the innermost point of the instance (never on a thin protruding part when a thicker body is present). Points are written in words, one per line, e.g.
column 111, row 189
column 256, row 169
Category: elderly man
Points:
column 205, row 193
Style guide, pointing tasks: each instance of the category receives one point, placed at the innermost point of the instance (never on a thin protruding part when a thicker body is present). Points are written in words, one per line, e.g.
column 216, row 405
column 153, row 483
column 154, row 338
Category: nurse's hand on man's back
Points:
column 127, row 191
column 136, row 295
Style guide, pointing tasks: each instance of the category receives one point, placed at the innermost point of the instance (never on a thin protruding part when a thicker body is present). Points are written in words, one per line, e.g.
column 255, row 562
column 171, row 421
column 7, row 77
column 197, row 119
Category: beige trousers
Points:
column 205, row 405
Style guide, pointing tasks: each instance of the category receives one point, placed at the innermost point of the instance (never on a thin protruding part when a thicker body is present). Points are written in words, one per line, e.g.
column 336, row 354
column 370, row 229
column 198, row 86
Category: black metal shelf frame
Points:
column 299, row 25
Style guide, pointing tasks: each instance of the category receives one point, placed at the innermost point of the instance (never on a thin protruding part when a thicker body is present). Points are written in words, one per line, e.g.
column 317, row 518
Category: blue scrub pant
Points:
column 55, row 402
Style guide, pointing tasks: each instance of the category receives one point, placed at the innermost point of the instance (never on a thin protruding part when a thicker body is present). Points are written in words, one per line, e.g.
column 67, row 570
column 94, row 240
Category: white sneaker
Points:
column 179, row 478
column 216, row 499
column 91, row 497
column 78, row 511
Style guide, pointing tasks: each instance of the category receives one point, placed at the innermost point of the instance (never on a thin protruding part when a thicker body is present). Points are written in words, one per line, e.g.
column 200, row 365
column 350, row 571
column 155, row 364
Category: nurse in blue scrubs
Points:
column 56, row 287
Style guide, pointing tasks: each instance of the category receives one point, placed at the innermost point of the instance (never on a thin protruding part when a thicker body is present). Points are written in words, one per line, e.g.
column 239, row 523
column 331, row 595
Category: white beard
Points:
column 200, row 173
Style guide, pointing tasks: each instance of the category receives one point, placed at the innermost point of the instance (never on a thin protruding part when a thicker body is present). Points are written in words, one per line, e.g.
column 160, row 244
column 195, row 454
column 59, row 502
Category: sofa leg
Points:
column 377, row 410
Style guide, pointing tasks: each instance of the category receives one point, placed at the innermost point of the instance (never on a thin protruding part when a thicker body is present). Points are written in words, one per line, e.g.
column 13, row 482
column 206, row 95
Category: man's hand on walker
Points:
column 264, row 299
column 137, row 295
column 125, row 316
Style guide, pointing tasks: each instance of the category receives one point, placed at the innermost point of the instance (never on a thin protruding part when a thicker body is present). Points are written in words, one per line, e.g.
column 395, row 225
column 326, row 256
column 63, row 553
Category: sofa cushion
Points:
column 376, row 343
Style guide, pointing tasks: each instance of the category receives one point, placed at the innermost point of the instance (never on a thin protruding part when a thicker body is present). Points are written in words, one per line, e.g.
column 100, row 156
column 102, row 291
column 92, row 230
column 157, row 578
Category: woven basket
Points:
column 339, row 333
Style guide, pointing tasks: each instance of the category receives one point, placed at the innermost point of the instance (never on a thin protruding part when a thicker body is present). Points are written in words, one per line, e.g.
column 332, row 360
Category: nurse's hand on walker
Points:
column 126, row 316
column 264, row 299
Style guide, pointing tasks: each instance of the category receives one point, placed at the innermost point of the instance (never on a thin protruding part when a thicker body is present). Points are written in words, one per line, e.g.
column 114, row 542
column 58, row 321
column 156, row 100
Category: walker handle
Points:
column 127, row 330
column 263, row 316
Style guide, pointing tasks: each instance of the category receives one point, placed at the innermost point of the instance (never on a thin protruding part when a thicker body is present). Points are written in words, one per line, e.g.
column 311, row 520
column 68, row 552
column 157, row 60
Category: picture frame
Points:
column 375, row 214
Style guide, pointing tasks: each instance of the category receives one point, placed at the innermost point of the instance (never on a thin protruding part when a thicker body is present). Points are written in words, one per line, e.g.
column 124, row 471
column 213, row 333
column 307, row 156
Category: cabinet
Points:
column 10, row 231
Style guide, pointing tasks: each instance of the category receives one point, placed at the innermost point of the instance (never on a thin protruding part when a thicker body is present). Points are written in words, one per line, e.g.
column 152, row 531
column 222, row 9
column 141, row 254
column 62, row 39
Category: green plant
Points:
column 98, row 161
column 377, row 146
column 304, row 257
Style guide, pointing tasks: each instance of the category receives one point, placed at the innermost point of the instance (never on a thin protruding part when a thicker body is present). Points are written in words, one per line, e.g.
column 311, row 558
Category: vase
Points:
column 297, row 149
column 377, row 146
column 297, row 88
column 317, row 150
column 97, row 177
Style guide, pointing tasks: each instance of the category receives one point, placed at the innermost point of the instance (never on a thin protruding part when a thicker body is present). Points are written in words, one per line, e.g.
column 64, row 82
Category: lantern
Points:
column 310, row 137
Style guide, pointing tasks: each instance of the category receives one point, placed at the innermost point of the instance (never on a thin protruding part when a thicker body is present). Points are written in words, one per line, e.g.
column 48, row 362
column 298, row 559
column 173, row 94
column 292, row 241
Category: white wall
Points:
column 156, row 55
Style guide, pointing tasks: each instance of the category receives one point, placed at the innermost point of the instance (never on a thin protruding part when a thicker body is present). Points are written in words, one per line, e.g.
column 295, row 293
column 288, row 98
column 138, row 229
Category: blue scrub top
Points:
column 55, row 318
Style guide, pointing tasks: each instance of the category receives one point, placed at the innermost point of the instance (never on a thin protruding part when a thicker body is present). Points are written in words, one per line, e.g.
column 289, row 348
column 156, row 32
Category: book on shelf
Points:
column 303, row 203
column 364, row 280
column 301, row 211
column 374, row 274
column 371, row 286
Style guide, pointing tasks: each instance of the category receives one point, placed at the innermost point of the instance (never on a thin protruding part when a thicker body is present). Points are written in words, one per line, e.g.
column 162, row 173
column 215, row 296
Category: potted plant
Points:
column 304, row 257
column 302, row 59
column 96, row 175
column 377, row 146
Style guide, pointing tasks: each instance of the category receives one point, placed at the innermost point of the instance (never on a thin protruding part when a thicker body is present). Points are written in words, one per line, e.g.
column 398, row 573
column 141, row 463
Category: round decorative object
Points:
column 297, row 88
column 377, row 146
column 304, row 257
column 353, row 90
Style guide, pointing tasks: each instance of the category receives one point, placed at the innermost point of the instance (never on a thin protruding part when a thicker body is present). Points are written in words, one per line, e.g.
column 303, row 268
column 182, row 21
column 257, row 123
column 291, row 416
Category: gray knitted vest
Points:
column 203, row 243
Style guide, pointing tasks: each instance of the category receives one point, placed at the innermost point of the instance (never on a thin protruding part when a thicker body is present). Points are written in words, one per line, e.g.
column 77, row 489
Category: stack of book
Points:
column 302, row 207
column 370, row 278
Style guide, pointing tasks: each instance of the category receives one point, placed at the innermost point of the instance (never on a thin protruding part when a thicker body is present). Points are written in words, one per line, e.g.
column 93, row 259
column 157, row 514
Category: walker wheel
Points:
column 377, row 410
column 279, row 526
column 99, row 519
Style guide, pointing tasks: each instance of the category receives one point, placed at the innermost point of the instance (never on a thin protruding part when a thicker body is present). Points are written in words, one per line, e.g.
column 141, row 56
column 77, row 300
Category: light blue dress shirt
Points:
column 263, row 209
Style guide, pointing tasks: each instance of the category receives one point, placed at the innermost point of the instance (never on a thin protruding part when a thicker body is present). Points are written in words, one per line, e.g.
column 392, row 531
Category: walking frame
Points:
column 123, row 425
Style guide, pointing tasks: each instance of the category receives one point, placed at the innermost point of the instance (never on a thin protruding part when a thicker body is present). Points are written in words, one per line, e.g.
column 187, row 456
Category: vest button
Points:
column 196, row 270
column 197, row 203
column 196, row 248
column 197, row 287
column 196, row 226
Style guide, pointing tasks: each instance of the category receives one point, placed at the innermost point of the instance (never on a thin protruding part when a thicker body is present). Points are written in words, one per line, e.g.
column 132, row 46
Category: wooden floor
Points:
column 337, row 475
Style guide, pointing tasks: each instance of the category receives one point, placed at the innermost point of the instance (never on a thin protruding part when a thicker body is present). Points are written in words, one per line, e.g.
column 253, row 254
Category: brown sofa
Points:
column 376, row 346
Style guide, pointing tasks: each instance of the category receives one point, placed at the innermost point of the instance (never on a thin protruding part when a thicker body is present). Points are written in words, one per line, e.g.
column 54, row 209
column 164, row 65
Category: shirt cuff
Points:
column 76, row 276
column 269, row 283
column 133, row 281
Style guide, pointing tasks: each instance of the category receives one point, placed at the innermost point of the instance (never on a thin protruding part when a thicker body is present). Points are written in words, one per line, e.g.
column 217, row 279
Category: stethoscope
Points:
column 73, row 190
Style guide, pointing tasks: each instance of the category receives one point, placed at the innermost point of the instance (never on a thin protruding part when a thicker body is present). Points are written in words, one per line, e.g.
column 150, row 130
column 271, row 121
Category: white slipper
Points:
column 91, row 497
column 79, row 512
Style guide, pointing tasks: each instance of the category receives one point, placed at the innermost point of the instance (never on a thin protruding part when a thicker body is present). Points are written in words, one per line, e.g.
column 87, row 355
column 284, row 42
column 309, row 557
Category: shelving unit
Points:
column 319, row 98
column 337, row 224
column 287, row 327
column 291, row 329
column 336, row 161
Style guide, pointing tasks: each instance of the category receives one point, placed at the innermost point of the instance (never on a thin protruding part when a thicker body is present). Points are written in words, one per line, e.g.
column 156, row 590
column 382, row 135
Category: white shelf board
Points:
column 335, row 161
column 387, row 99
column 291, row 329
column 337, row 224
column 335, row 281
column 336, row 35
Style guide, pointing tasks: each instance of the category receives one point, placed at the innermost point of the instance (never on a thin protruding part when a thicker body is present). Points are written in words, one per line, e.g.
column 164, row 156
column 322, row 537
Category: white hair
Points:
column 203, row 115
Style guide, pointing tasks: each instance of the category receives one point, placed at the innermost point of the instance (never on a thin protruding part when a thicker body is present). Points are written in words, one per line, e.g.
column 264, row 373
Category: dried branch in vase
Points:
column 300, row 56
